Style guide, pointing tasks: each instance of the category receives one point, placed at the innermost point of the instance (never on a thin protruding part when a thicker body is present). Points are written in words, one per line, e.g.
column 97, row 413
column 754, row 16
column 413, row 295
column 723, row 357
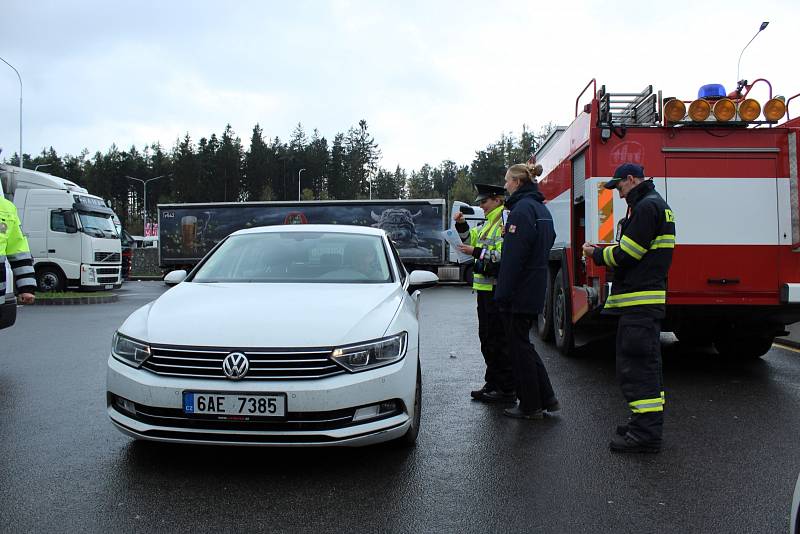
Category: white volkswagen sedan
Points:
column 302, row 335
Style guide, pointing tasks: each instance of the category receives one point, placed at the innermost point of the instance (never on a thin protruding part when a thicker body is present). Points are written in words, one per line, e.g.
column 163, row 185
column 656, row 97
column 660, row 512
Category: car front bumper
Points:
column 319, row 412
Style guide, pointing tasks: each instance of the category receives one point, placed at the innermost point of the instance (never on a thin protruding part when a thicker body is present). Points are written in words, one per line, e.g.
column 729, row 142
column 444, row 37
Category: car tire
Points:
column 544, row 326
column 50, row 279
column 409, row 439
column 562, row 316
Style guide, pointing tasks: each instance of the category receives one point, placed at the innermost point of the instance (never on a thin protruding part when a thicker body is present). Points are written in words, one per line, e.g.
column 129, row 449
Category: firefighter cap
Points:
column 488, row 191
column 622, row 172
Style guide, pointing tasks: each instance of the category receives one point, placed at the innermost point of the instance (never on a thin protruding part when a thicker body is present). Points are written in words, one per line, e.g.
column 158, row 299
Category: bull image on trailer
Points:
column 188, row 231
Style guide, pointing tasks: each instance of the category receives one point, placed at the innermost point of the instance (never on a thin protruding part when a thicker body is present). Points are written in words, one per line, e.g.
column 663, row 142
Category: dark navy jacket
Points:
column 528, row 238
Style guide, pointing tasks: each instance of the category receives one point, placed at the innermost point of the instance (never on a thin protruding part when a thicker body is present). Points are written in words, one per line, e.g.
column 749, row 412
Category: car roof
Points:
column 330, row 228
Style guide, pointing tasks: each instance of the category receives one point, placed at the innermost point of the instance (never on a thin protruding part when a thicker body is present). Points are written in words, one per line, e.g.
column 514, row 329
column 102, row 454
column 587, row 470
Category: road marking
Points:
column 785, row 347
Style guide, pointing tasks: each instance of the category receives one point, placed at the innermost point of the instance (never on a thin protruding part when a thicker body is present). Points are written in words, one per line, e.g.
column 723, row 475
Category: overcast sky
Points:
column 434, row 80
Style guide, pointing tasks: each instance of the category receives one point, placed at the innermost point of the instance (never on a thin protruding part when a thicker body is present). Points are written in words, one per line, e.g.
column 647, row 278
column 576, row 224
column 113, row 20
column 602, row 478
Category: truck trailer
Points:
column 187, row 232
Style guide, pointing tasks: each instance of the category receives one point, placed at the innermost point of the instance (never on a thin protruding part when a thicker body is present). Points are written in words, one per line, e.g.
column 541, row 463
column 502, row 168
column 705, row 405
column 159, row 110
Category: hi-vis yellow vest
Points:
column 490, row 237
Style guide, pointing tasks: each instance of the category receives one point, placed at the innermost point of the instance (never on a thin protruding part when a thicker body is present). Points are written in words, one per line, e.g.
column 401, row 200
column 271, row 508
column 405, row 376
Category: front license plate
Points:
column 109, row 286
column 234, row 404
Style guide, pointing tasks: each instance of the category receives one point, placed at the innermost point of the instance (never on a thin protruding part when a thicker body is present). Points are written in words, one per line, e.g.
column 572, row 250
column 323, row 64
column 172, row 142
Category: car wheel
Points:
column 50, row 279
column 562, row 316
column 410, row 437
column 544, row 326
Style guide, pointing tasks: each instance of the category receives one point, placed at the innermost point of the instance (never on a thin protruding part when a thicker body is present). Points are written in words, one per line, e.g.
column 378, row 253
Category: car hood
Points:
column 266, row 315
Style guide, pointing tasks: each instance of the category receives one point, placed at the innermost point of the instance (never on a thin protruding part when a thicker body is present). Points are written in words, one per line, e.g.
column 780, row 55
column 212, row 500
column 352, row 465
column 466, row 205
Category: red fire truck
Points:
column 727, row 165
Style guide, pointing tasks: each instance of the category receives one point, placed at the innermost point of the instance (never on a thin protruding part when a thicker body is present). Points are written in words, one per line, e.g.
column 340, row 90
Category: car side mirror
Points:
column 175, row 277
column 70, row 225
column 421, row 280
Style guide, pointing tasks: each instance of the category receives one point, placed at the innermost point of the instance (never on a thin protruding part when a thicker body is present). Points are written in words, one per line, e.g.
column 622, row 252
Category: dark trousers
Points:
column 639, row 374
column 532, row 382
column 493, row 343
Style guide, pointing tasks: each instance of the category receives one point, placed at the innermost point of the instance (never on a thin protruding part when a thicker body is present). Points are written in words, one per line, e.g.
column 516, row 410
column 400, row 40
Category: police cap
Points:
column 622, row 172
column 488, row 191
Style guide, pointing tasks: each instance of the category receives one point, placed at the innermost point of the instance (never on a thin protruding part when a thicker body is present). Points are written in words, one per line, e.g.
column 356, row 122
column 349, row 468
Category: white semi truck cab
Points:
column 71, row 234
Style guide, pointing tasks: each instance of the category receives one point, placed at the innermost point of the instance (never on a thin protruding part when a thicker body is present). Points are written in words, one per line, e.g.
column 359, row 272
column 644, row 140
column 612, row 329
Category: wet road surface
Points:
column 730, row 461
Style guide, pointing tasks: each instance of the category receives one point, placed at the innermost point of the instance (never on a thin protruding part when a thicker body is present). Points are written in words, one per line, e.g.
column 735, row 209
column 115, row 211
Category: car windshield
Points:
column 298, row 257
column 98, row 225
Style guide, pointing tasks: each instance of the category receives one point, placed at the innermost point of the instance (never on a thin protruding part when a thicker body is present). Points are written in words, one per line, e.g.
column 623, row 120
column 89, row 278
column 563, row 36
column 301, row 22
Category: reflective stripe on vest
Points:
column 663, row 241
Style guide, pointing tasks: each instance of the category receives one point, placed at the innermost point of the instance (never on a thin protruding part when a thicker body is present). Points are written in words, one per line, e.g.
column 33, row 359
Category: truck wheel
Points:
column 545, row 320
column 50, row 279
column 748, row 348
column 409, row 439
column 562, row 316
column 692, row 337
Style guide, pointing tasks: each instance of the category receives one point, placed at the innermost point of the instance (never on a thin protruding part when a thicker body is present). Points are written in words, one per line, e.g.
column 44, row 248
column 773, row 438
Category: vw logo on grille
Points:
column 235, row 365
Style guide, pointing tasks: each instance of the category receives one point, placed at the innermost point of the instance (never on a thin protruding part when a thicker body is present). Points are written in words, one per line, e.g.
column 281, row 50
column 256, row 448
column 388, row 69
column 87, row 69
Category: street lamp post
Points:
column 760, row 29
column 20, row 109
column 298, row 182
column 144, row 182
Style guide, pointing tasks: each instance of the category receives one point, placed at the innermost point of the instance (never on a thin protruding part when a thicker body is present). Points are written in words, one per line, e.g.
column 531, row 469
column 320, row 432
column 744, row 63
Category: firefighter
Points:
column 640, row 261
column 527, row 240
column 485, row 244
column 14, row 248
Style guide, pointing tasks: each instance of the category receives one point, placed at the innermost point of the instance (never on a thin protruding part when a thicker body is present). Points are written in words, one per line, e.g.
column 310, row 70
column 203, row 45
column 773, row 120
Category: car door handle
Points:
column 51, row 251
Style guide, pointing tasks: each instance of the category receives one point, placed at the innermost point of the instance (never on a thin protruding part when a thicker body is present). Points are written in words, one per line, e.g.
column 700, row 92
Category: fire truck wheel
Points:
column 544, row 327
column 562, row 316
column 748, row 348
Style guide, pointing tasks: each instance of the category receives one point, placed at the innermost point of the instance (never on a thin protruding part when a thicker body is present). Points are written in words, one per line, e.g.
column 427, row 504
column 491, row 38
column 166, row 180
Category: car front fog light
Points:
column 371, row 354
column 129, row 351
column 125, row 405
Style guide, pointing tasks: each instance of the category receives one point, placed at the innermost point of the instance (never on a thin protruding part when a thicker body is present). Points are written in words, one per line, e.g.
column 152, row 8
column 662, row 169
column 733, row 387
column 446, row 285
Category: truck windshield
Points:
column 97, row 225
column 298, row 257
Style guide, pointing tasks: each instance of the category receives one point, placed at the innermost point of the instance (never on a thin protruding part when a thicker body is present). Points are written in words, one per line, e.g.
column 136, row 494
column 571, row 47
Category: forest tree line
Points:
column 221, row 169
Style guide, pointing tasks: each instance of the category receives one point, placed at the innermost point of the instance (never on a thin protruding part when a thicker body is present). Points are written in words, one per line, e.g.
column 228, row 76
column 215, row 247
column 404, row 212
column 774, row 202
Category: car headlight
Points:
column 372, row 354
column 129, row 350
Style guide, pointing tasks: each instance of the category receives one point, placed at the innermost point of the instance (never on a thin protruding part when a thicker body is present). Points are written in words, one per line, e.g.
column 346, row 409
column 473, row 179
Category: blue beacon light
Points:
column 712, row 90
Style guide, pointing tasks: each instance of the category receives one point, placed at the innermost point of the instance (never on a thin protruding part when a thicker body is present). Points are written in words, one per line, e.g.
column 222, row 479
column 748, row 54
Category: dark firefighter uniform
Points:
column 14, row 248
column 640, row 262
column 487, row 241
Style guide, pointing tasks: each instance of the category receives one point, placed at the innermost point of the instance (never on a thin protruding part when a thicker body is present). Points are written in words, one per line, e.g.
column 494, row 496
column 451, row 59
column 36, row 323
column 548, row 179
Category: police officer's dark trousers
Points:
column 493, row 343
column 532, row 381
column 639, row 374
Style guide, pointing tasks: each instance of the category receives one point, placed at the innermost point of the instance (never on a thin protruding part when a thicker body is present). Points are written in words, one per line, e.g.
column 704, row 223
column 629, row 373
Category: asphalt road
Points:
column 729, row 464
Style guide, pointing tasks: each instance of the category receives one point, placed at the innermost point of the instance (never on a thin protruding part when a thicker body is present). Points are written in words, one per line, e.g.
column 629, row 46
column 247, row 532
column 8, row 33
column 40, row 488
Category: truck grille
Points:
column 107, row 279
column 107, row 270
column 107, row 257
column 265, row 364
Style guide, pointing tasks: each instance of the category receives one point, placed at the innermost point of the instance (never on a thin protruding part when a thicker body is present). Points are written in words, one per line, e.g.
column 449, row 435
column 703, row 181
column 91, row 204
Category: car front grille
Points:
column 107, row 257
column 107, row 270
column 265, row 364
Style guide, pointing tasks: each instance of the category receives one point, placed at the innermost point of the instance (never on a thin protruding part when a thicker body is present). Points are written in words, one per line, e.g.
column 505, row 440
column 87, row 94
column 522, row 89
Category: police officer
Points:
column 528, row 238
column 638, row 296
column 14, row 248
column 485, row 244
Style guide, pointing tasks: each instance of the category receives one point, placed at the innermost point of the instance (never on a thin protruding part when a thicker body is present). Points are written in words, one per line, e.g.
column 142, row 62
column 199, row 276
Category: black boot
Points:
column 627, row 443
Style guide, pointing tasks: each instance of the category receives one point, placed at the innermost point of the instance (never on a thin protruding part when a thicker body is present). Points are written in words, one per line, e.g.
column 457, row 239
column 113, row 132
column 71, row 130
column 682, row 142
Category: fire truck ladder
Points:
column 629, row 109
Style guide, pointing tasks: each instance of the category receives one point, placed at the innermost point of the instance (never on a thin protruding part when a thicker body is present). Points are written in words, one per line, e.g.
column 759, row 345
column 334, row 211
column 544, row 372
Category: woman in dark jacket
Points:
column 521, row 286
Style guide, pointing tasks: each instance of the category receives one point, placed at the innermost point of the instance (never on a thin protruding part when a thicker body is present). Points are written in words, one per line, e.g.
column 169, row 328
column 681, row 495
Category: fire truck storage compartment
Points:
column 728, row 225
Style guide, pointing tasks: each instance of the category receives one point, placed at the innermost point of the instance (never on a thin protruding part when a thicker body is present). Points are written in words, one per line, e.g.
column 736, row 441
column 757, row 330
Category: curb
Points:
column 786, row 342
column 77, row 300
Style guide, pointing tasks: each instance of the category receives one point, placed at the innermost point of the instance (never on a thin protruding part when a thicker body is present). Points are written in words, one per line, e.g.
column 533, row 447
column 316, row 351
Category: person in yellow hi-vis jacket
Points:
column 14, row 249
column 485, row 244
